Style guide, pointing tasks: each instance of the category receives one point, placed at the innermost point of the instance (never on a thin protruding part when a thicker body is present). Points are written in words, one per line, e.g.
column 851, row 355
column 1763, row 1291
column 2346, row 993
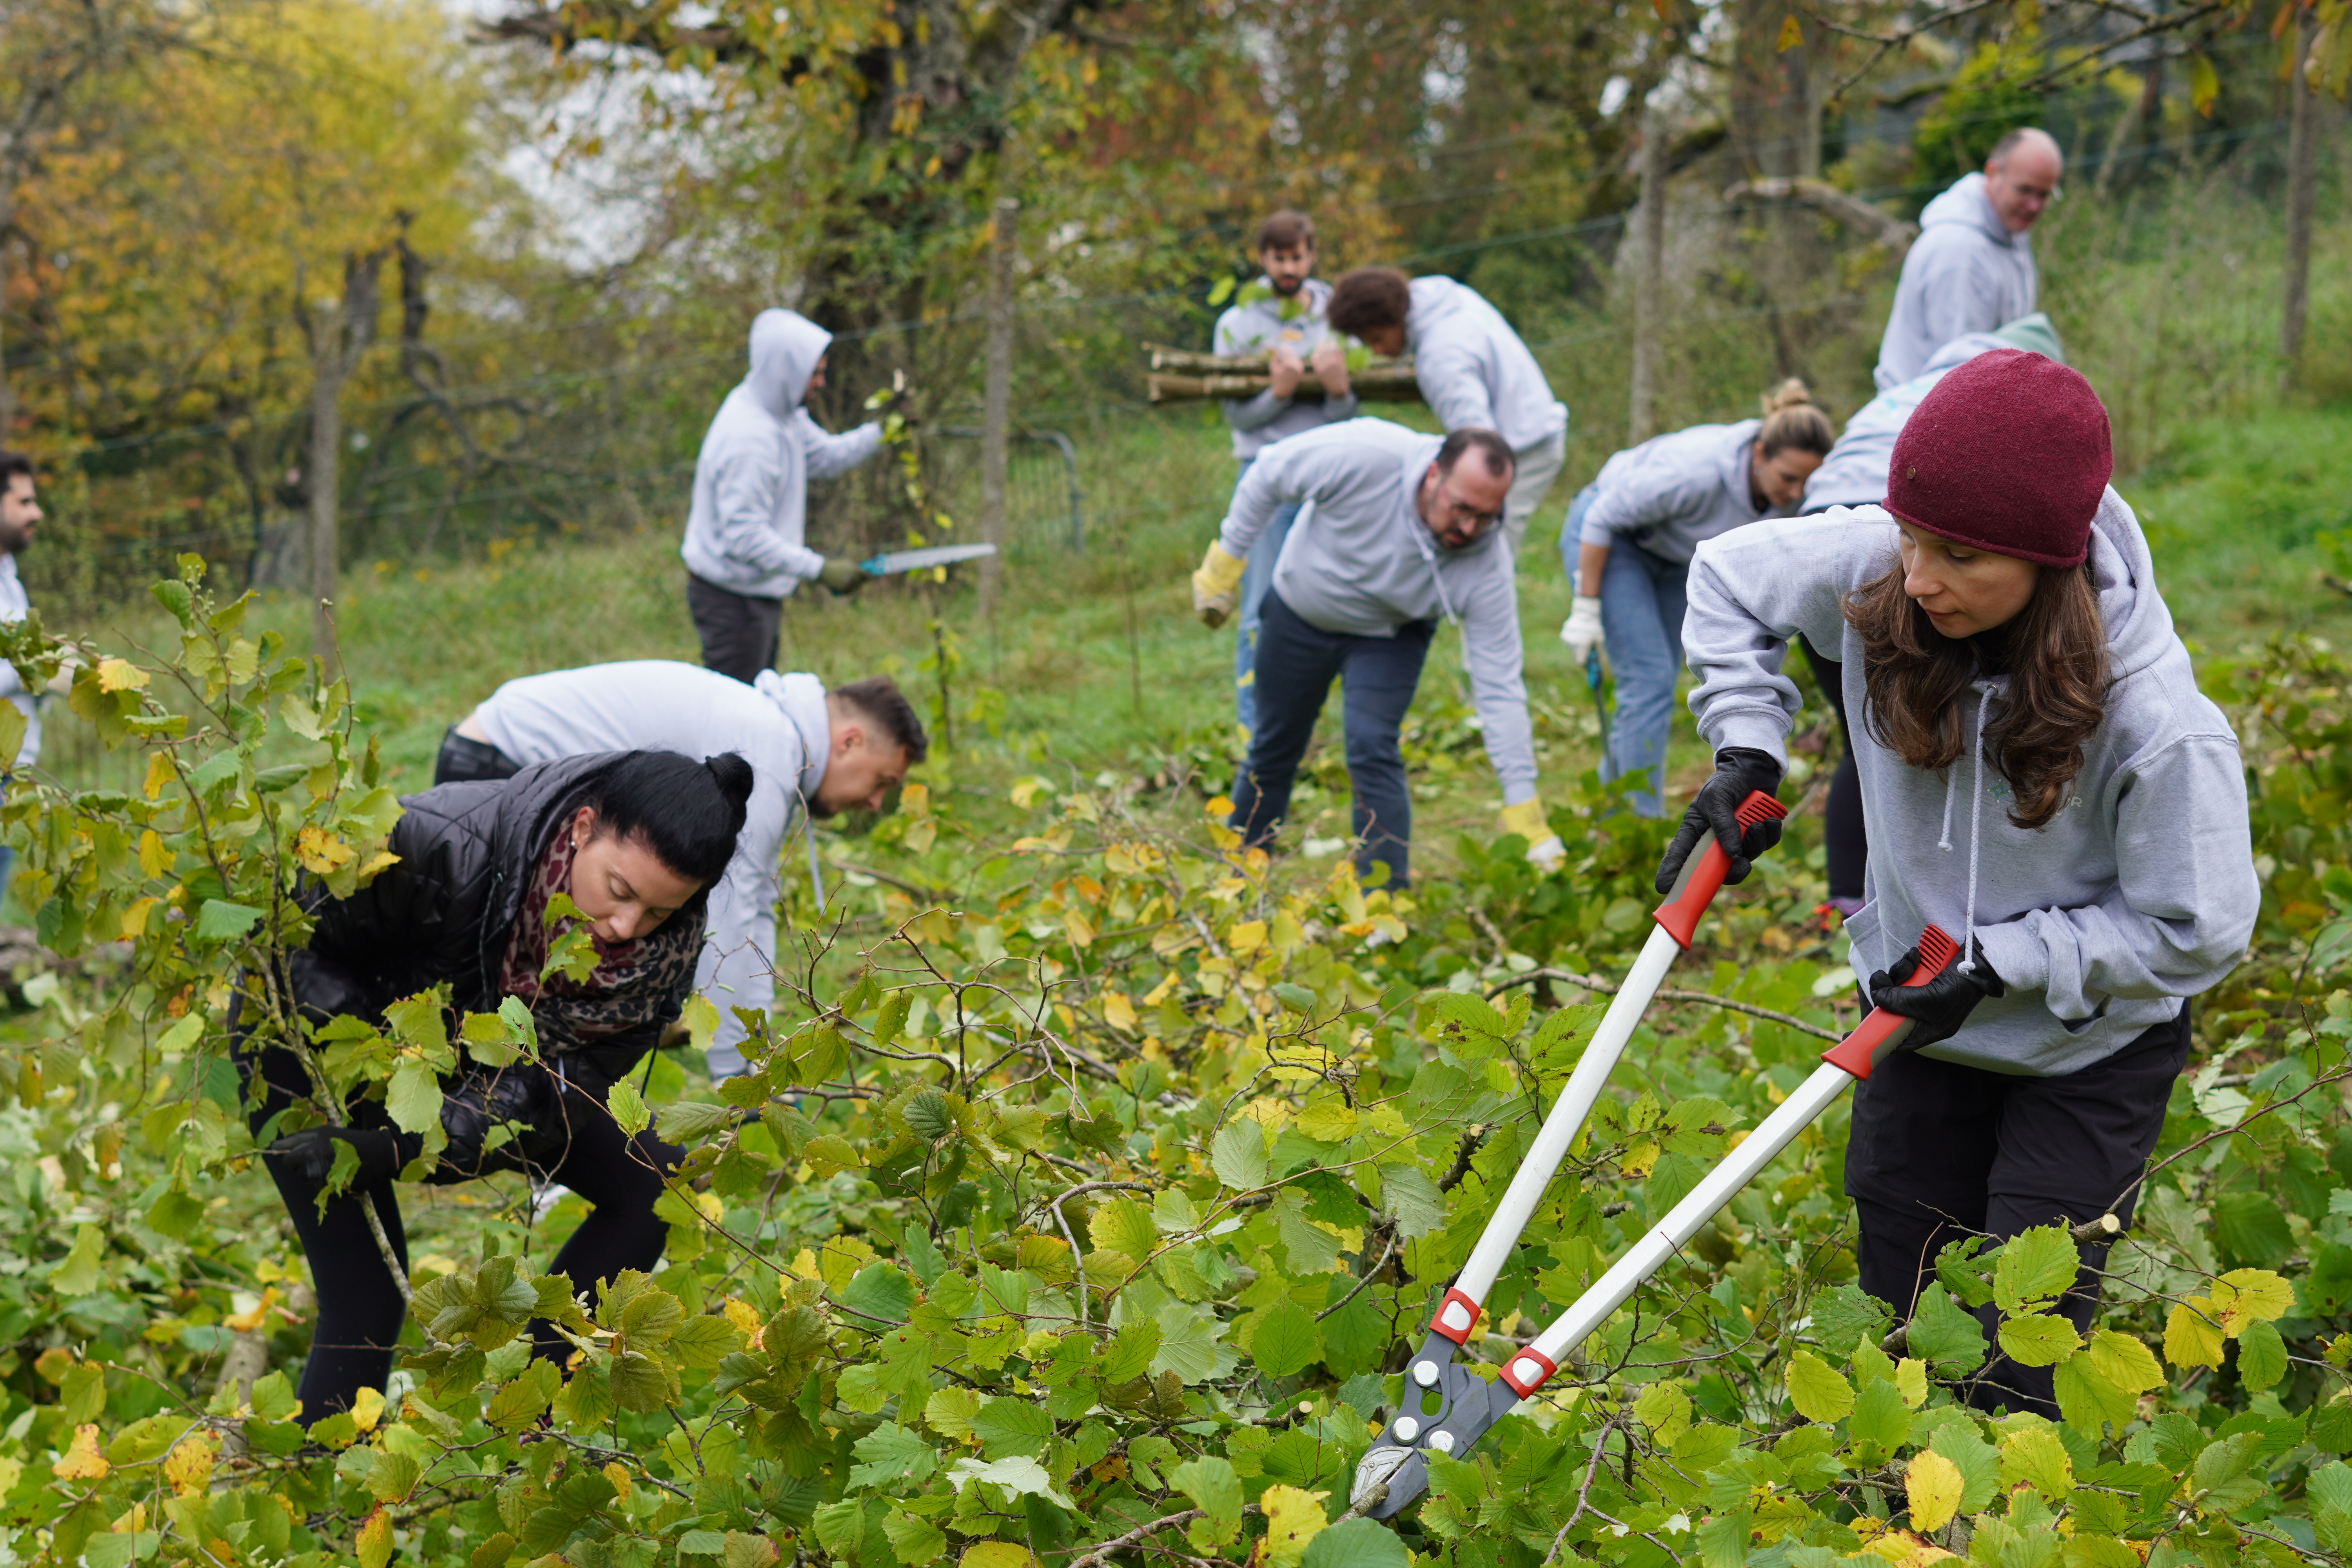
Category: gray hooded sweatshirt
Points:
column 1854, row 473
column 1675, row 491
column 1965, row 273
column 2139, row 892
column 1363, row 563
column 779, row 725
column 1260, row 327
column 1474, row 372
column 749, row 521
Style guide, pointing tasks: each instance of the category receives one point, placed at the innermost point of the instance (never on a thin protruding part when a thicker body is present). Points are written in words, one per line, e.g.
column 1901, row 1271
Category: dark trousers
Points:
column 360, row 1309
column 1940, row 1151
column 465, row 759
column 1295, row 665
column 1845, row 838
column 737, row 632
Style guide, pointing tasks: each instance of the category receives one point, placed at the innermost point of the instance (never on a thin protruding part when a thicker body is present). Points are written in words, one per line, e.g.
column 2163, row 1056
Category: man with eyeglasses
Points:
column 1971, row 268
column 1404, row 528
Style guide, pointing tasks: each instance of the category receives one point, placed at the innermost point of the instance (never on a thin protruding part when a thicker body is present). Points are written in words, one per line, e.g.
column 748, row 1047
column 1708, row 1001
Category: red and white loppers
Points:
column 1467, row 1403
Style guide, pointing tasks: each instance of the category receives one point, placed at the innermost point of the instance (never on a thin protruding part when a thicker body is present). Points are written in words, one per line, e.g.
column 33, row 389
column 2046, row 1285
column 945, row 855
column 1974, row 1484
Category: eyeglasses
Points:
column 1464, row 519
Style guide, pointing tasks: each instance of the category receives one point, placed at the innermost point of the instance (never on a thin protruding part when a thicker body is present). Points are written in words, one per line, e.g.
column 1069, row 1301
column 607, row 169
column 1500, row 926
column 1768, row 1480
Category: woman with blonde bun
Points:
column 1660, row 502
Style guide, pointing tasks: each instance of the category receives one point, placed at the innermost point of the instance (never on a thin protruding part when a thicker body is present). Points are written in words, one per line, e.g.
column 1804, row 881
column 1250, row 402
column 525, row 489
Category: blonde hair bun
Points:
column 1791, row 394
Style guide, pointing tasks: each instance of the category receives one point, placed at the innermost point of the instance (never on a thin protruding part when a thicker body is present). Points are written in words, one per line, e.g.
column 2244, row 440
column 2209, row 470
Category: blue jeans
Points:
column 1642, row 604
column 1257, row 577
column 1378, row 676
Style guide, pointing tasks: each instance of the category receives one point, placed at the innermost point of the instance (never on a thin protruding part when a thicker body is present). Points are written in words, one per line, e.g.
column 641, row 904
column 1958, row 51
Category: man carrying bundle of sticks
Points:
column 1281, row 317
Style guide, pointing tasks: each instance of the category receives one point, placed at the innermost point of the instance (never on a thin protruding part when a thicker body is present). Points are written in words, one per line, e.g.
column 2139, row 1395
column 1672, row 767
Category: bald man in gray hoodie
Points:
column 1971, row 268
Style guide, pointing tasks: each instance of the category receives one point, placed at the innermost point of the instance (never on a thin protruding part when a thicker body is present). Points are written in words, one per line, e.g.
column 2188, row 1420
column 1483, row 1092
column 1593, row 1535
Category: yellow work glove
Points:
column 1545, row 851
column 1215, row 585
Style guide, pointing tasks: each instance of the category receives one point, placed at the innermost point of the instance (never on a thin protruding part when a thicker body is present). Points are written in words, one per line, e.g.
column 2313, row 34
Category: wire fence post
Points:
column 1649, row 266
column 996, row 404
column 2302, row 164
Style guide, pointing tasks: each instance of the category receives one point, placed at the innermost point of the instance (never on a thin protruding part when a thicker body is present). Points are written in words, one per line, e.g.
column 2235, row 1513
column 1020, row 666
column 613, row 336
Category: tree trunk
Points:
column 2302, row 164
column 1649, row 271
column 325, row 475
column 996, row 401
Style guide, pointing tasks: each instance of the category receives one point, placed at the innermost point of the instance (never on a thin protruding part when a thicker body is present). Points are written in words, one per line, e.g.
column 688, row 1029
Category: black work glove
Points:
column 312, row 1151
column 1939, row 1008
column 1740, row 771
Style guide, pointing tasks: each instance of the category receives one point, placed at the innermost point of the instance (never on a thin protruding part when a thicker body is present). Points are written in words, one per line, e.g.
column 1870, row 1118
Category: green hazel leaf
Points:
column 1309, row 1249
column 1188, row 1343
column 1124, row 1226
column 1131, row 1353
column 175, row 1214
column 414, row 1096
column 1958, row 1270
column 81, row 1270
column 1945, row 1336
column 641, row 1385
column 82, row 1394
column 628, row 1107
column 1665, row 1409
column 2088, row 1397
column 1286, row 1339
column 1846, row 1315
column 949, row 1411
column 2125, row 1361
column 2228, row 1475
column 1356, row 1544
column 840, row 1527
column 928, row 1115
column 221, row 921
column 690, row 1120
column 392, row 1477
column 1355, row 1336
column 915, row 1541
column 891, row 1017
column 1011, row 1429
column 2099, row 1551
column 2035, row 1266
column 890, row 1454
column 702, row 1341
column 1816, row 1389
column 1880, row 1415
column 1214, row 1486
column 1979, row 1462
column 2330, row 1486
column 2038, row 1339
column 2252, row 1229
column 2262, row 1355
column 1414, row 1199
column 881, row 1291
column 2034, row 1457
column 1238, row 1154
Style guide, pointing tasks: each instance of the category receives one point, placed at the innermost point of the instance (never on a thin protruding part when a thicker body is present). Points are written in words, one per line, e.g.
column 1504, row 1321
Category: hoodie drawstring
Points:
column 1976, row 820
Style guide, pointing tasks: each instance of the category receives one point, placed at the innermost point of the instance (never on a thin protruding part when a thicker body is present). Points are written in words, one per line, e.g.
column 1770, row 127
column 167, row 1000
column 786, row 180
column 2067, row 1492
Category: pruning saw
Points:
column 896, row 561
column 1395, row 1470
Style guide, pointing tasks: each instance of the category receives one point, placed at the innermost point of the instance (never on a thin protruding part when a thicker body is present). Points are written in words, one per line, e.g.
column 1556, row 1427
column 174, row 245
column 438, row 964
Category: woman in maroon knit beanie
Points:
column 2042, row 779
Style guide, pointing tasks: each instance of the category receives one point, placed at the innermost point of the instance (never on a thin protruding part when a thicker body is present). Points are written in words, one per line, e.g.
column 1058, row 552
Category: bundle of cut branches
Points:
column 1180, row 375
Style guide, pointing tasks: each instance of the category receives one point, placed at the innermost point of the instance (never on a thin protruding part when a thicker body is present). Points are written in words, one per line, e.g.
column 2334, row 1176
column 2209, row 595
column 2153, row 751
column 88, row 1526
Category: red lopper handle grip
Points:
column 1704, row 871
column 1860, row 1050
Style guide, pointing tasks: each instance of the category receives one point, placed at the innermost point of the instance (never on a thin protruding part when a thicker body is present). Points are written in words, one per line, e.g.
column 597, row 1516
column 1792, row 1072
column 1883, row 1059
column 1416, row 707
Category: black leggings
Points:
column 359, row 1307
column 1844, row 836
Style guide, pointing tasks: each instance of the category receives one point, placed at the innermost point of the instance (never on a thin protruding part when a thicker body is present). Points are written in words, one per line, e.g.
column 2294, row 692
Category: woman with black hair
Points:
column 635, row 839
column 2044, row 781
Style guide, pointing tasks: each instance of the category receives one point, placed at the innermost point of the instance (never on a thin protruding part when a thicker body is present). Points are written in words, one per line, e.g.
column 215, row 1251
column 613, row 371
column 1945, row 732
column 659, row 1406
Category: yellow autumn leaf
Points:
column 120, row 675
column 1329, row 1122
column 1911, row 1381
column 1636, row 1161
column 2190, row 1337
column 159, row 773
column 154, row 857
column 1246, row 937
column 745, row 1317
column 320, row 851
column 618, row 1474
column 375, row 1539
column 1817, row 1389
column 82, row 1461
column 1075, row 927
column 253, row 1317
column 2246, row 1296
column 996, row 1554
column 1118, row 1012
column 1902, row 1549
column 189, row 1465
column 134, row 917
column 1791, row 35
column 1933, row 1484
column 1293, row 1517
column 367, row 1408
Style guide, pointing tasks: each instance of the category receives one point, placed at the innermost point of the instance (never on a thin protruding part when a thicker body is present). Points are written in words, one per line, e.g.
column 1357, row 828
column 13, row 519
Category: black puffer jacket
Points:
column 444, row 912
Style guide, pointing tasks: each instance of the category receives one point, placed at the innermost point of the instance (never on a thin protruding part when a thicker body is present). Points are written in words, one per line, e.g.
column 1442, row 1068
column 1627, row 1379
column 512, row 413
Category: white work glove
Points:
column 1581, row 630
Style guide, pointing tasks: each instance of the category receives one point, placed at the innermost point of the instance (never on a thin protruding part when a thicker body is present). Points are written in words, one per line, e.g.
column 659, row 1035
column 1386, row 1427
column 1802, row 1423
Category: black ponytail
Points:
column 689, row 813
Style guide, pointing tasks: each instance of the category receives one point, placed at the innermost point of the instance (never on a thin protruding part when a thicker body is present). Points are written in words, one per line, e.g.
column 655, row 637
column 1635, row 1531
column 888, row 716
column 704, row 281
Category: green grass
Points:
column 1094, row 661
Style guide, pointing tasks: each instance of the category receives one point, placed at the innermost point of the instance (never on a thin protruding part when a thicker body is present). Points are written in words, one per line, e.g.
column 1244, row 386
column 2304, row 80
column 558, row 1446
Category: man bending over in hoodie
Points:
column 1971, row 268
column 745, row 535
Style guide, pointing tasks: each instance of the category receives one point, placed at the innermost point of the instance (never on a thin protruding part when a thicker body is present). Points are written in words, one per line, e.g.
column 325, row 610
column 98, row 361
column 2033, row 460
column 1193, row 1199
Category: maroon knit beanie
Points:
column 2008, row 453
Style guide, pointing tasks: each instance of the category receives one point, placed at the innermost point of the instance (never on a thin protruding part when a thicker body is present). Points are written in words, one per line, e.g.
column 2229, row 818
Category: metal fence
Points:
column 1045, row 508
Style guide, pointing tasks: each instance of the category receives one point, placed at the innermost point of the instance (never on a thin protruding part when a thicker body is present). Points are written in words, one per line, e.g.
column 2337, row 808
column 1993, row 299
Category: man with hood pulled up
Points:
column 1971, row 268
column 746, row 533
column 2044, row 782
